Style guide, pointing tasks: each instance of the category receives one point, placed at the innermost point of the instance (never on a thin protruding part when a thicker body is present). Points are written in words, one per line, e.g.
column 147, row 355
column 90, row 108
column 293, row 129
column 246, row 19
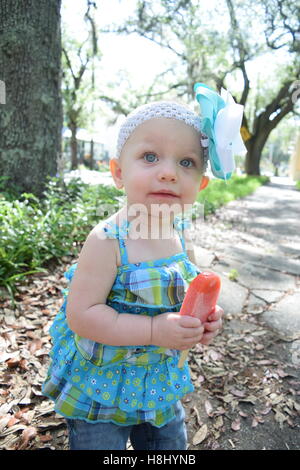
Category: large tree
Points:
column 31, row 119
column 213, row 44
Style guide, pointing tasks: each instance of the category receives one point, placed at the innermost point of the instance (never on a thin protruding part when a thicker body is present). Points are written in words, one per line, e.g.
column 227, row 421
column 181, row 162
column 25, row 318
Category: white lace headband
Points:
column 159, row 109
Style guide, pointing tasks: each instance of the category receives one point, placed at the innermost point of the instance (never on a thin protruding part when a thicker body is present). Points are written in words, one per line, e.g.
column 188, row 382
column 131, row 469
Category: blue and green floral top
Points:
column 127, row 384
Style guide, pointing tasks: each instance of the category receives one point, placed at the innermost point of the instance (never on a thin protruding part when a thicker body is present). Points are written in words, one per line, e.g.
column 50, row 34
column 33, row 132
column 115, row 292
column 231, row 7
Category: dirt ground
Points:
column 244, row 398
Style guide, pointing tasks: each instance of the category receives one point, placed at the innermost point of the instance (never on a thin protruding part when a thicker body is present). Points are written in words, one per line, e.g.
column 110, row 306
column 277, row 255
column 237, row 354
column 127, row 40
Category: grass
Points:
column 219, row 192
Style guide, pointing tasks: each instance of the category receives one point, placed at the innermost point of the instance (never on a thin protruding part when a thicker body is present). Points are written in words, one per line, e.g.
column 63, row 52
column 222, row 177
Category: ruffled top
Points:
column 126, row 384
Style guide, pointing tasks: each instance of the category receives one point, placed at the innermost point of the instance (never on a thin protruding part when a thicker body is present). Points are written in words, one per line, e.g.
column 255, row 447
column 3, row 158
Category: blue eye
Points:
column 189, row 162
column 150, row 157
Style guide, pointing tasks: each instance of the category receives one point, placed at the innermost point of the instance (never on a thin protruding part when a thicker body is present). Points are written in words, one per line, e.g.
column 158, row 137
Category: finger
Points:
column 216, row 314
column 213, row 325
column 191, row 342
column 189, row 333
column 189, row 322
column 207, row 338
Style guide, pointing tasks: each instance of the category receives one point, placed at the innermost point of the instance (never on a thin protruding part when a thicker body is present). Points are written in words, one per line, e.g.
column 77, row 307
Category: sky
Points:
column 142, row 59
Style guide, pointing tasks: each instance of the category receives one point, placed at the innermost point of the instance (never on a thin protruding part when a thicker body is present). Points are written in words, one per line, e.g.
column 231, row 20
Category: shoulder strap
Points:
column 180, row 225
column 121, row 235
column 123, row 251
column 114, row 231
column 180, row 233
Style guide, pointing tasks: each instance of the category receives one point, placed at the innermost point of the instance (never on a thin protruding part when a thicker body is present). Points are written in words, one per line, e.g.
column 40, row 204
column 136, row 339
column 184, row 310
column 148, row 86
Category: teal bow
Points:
column 221, row 122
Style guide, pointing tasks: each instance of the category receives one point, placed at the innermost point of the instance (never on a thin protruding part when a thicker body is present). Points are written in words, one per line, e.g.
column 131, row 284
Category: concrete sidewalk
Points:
column 259, row 238
column 254, row 245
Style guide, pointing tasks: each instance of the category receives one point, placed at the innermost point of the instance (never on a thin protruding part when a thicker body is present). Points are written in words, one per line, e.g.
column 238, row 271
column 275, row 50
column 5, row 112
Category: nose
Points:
column 167, row 172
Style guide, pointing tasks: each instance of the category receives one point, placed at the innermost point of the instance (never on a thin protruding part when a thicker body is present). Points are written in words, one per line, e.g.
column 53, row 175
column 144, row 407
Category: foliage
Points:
column 298, row 185
column 35, row 231
column 221, row 56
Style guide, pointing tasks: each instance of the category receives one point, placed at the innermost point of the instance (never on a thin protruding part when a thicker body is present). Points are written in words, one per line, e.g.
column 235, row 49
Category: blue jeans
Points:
column 109, row 436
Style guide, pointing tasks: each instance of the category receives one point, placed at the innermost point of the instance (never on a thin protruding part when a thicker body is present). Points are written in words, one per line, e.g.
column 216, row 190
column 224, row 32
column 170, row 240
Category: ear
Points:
column 204, row 182
column 116, row 172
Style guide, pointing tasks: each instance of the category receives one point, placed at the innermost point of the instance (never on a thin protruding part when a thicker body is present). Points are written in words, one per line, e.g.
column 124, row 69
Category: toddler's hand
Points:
column 174, row 331
column 213, row 326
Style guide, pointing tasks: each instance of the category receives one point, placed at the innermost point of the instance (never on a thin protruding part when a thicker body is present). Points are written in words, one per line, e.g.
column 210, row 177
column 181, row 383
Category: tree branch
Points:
column 243, row 53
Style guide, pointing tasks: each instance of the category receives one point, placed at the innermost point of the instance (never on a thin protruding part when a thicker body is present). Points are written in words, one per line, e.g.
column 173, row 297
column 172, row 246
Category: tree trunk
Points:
column 31, row 119
column 74, row 147
column 92, row 161
column 255, row 147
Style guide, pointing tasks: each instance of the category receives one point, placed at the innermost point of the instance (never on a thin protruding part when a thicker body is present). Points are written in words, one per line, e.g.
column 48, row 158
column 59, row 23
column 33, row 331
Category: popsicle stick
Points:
column 182, row 358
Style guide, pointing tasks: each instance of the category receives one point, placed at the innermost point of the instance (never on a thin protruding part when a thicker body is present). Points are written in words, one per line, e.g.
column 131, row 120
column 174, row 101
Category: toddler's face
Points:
column 161, row 154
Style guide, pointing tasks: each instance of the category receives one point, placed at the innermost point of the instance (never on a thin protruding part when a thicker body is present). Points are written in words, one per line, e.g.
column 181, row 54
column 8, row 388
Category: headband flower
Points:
column 221, row 123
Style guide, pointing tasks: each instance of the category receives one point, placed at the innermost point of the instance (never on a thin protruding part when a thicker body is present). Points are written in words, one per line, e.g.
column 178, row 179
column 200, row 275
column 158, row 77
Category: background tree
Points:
column 216, row 45
column 78, row 85
column 31, row 119
column 282, row 31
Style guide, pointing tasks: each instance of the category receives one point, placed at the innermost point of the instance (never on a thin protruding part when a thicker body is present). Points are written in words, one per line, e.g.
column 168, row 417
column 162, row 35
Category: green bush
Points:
column 34, row 231
column 298, row 185
column 219, row 192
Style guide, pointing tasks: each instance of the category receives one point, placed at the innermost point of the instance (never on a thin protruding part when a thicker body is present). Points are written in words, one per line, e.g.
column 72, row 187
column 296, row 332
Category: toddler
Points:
column 117, row 339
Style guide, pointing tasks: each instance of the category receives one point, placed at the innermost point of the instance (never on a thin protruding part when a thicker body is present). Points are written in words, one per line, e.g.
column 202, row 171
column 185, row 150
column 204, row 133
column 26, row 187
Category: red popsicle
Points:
column 200, row 300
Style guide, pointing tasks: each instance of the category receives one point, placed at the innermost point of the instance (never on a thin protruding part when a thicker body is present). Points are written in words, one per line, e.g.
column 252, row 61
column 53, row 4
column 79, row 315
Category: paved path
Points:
column 90, row 176
column 256, row 241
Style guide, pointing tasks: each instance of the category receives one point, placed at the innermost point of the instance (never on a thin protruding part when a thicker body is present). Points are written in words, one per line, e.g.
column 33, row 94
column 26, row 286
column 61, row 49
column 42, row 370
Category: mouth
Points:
column 164, row 193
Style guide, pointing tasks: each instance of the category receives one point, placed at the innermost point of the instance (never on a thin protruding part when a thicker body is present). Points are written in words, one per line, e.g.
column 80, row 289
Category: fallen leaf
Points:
column 13, row 420
column 13, row 362
column 46, row 438
column 297, row 406
column 4, row 420
column 251, row 398
column 13, row 429
column 219, row 422
column 29, row 433
column 197, row 415
column 228, row 398
column 238, row 393
column 35, row 345
column 254, row 422
column 281, row 373
column 265, row 411
column 208, row 408
column 236, row 425
column 280, row 418
column 26, row 400
column 28, row 416
column 200, row 435
column 275, row 399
